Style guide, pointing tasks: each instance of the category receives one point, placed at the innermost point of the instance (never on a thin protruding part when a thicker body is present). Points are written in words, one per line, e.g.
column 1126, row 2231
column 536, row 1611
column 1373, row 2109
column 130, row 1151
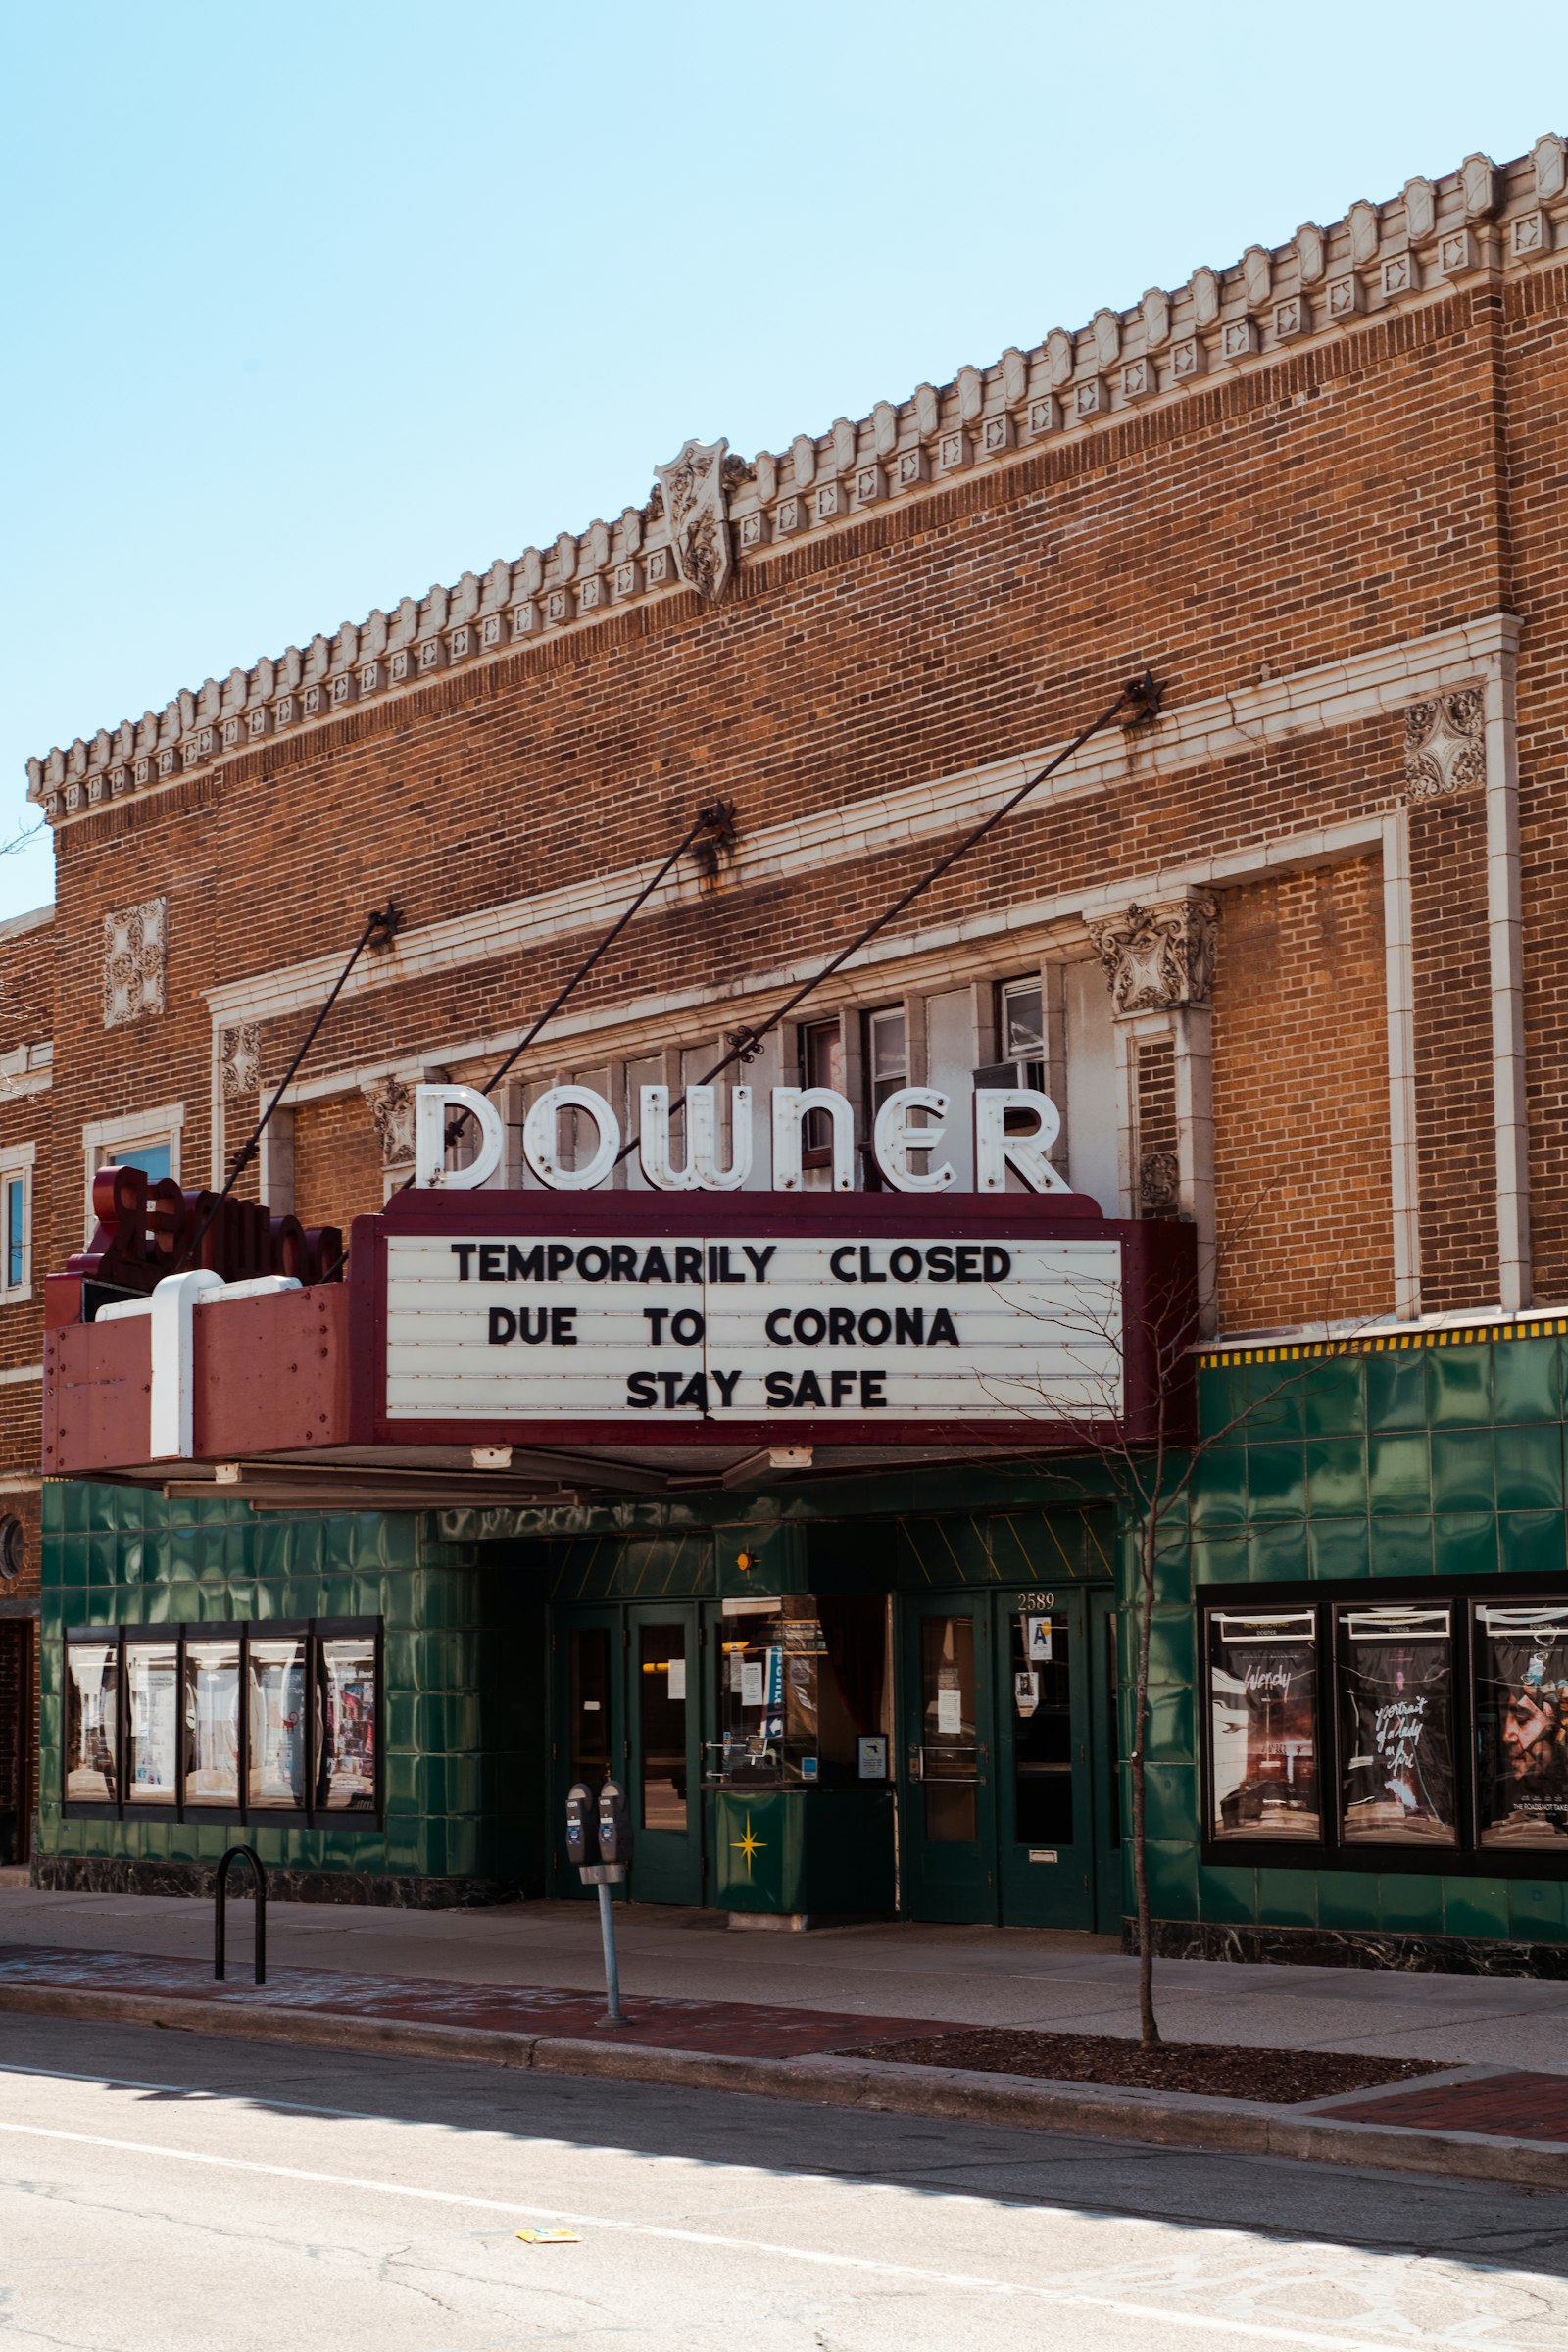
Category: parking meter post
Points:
column 598, row 1842
column 613, row 2015
column 615, row 1859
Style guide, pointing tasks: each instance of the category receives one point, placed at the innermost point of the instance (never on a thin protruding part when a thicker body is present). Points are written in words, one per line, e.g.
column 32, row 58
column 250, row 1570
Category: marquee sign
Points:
column 630, row 1320
column 695, row 1310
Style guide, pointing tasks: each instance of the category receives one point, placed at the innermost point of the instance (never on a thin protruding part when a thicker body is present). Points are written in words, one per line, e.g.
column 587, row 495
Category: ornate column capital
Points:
column 1159, row 958
column 392, row 1109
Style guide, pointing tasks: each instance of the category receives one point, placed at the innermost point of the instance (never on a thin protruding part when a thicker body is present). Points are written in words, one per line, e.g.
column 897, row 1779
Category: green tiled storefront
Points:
column 1425, row 1461
column 1432, row 1461
column 463, row 1660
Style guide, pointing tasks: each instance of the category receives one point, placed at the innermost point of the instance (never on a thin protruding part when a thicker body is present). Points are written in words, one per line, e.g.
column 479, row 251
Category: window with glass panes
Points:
column 887, row 1057
column 247, row 1720
column 1021, row 1027
column 14, row 1218
column 1382, row 1724
column 821, row 1064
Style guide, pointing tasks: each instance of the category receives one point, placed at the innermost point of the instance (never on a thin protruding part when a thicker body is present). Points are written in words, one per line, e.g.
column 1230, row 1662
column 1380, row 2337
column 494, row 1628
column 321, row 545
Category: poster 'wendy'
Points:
column 1522, row 1724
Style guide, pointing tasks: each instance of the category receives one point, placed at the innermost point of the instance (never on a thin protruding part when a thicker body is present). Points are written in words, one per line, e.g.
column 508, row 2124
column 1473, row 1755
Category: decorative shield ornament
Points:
column 697, row 514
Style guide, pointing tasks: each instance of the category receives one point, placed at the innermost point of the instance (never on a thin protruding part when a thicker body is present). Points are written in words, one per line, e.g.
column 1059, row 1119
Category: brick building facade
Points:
column 1285, row 960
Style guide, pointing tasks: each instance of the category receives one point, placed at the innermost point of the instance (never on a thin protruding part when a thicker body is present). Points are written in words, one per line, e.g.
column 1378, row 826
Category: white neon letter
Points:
column 434, row 1107
column 996, row 1151
column 791, row 1104
column 541, row 1138
column 896, row 1137
column 702, row 1172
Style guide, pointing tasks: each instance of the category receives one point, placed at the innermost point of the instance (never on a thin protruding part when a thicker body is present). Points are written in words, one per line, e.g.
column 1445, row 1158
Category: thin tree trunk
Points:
column 1147, row 2026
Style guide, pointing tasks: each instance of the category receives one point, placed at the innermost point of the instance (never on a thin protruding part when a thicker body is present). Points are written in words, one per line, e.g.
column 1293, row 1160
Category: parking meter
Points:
column 582, row 1837
column 614, row 1829
column 598, row 1842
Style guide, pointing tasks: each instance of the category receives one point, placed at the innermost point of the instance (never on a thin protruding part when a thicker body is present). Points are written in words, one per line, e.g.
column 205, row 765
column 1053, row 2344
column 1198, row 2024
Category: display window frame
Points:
column 1465, row 1856
column 312, row 1812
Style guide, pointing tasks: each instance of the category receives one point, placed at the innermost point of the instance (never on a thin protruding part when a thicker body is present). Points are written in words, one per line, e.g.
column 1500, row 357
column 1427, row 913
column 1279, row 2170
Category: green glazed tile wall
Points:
column 1445, row 1460
column 465, row 1648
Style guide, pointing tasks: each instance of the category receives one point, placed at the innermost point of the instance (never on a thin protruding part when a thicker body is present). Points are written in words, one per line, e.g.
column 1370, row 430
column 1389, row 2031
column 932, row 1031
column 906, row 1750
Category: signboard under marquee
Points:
column 630, row 1319
column 640, row 1326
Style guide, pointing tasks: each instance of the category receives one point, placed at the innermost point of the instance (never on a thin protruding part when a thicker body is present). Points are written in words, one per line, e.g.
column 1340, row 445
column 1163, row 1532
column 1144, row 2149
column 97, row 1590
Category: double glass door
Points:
column 627, row 1709
column 1008, row 1772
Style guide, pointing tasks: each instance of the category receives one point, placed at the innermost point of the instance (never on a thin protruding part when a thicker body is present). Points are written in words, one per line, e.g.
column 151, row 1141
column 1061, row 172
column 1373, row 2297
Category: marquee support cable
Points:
column 381, row 927
column 1141, row 695
column 716, row 818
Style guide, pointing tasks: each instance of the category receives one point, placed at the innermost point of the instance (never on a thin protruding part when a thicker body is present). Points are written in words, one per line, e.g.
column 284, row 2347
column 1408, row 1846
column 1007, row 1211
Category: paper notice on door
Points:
column 1037, row 1641
column 1026, row 1690
column 754, row 1686
column 677, row 1678
column 737, row 1670
column 949, row 1711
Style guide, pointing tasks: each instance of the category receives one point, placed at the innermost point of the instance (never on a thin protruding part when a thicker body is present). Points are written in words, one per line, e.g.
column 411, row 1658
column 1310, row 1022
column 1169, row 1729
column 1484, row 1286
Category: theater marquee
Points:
column 601, row 1321
column 630, row 1319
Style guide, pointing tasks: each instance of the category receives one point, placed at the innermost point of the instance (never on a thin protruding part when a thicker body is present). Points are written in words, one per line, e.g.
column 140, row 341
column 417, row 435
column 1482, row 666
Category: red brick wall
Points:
column 337, row 1162
column 1376, row 487
column 1301, row 1101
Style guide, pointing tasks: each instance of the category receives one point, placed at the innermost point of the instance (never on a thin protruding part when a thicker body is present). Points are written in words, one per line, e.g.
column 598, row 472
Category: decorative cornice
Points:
column 1379, row 258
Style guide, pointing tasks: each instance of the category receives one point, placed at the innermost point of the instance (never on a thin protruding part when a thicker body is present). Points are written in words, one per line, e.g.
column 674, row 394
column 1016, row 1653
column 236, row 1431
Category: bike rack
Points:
column 221, row 1894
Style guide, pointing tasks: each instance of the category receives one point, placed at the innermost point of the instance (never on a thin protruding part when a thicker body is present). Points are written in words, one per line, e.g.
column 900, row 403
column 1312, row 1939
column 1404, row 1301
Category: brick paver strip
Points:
column 733, row 2029
column 1517, row 2106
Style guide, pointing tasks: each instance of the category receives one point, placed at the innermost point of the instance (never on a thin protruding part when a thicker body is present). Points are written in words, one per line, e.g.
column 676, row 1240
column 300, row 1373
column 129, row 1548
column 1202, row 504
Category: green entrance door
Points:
column 664, row 1733
column 1104, row 1756
column 1007, row 1785
column 1045, row 1808
column 948, row 1785
column 590, row 1734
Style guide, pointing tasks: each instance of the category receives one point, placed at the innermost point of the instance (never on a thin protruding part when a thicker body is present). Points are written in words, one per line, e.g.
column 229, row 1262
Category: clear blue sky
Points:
column 310, row 306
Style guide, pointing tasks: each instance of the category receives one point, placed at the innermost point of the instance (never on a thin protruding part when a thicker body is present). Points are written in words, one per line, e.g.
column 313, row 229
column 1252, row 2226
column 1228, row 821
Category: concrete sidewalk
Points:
column 953, row 1976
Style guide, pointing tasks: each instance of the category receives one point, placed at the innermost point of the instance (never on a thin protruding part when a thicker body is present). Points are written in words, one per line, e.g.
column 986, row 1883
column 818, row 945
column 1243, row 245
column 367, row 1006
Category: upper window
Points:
column 1021, row 1027
column 887, row 1058
column 821, row 1064
column 148, row 1140
column 15, row 1224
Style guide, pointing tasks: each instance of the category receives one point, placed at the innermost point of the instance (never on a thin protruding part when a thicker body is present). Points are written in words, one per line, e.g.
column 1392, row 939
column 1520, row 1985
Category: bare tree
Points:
column 1150, row 1462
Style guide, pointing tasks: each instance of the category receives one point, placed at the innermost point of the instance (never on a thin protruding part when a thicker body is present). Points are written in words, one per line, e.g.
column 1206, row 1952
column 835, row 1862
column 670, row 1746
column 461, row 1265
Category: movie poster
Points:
column 277, row 1668
column 348, row 1728
column 152, row 1690
column 1396, row 1726
column 1263, row 1716
column 92, row 1690
column 1522, row 1724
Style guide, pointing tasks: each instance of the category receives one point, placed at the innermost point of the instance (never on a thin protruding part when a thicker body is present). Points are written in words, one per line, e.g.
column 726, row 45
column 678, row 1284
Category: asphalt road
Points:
column 163, row 2190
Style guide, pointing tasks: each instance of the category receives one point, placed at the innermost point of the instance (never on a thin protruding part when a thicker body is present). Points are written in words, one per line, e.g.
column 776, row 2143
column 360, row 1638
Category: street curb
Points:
column 1092, row 2111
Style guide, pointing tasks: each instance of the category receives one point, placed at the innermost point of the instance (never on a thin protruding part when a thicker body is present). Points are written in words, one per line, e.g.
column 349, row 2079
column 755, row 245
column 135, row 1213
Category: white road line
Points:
column 1212, row 2321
